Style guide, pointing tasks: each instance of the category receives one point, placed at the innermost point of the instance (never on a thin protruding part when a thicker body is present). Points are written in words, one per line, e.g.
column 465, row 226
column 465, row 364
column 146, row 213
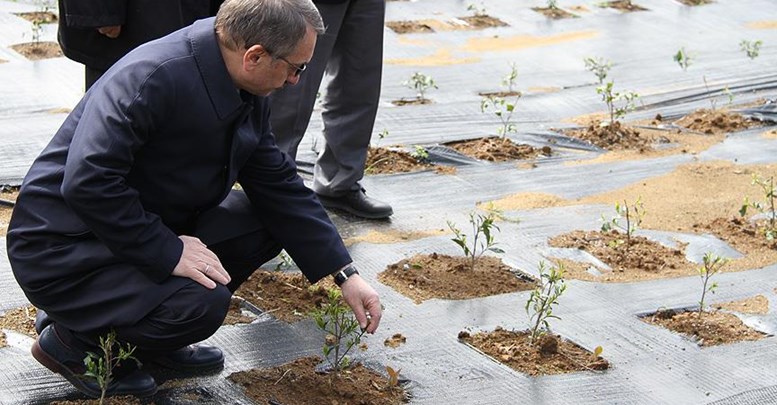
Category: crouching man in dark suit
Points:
column 127, row 221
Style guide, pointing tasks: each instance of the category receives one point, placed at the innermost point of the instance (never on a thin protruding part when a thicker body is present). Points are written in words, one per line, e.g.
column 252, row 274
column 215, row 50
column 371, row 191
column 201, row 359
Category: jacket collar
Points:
column 224, row 96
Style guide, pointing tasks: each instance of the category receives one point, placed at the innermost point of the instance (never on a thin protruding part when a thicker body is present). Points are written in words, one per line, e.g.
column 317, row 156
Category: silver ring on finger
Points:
column 207, row 269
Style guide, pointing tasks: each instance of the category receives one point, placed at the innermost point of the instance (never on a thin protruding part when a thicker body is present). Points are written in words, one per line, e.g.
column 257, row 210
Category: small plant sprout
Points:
column 421, row 83
column 633, row 218
column 478, row 11
column 285, row 261
column 341, row 328
column 510, row 79
column 482, row 241
column 764, row 207
column 100, row 367
column 540, row 304
column 599, row 67
column 36, row 28
column 711, row 266
column 503, row 110
column 729, row 94
column 751, row 49
column 682, row 58
column 611, row 97
column 382, row 135
column 552, row 4
column 420, row 154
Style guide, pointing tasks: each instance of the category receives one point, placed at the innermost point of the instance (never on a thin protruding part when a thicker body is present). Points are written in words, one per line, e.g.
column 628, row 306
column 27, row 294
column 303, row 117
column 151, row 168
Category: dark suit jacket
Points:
column 161, row 139
column 141, row 21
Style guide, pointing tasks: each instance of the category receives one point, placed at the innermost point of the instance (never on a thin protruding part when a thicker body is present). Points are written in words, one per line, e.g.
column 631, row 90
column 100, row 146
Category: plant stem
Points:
column 473, row 255
column 543, row 308
column 704, row 292
column 628, row 226
column 771, row 202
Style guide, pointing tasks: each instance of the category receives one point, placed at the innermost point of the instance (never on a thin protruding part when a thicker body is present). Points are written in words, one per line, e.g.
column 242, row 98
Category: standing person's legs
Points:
column 350, row 107
column 293, row 105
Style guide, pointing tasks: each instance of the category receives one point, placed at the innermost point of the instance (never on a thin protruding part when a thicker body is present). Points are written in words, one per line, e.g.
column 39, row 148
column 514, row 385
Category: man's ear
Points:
column 253, row 55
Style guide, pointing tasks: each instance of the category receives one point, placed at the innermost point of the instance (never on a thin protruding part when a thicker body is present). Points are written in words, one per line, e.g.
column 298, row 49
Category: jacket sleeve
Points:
column 291, row 212
column 116, row 122
column 93, row 13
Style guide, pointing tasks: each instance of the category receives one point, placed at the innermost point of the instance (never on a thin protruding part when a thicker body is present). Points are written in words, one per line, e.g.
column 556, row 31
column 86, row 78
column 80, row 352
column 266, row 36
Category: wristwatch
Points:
column 343, row 274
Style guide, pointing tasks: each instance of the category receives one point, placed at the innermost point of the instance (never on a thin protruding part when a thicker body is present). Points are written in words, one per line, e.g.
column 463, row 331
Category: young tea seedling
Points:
column 711, row 266
column 611, row 97
column 540, row 304
column 36, row 31
column 764, row 207
column 482, row 241
column 420, row 154
column 510, row 79
column 599, row 67
column 285, row 261
column 503, row 110
column 100, row 367
column 477, row 11
column 381, row 136
column 751, row 49
column 341, row 328
column 683, row 59
column 632, row 215
column 421, row 83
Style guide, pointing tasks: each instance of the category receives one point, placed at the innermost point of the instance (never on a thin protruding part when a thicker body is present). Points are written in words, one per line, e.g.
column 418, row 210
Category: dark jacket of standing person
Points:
column 140, row 20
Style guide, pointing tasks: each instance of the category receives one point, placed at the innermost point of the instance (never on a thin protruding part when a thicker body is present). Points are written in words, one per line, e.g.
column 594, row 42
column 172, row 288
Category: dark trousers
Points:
column 234, row 232
column 91, row 76
column 351, row 53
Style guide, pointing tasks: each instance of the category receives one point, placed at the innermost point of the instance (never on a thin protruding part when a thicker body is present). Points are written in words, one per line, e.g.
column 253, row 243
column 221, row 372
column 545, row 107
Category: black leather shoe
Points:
column 42, row 320
column 357, row 203
column 195, row 358
column 52, row 352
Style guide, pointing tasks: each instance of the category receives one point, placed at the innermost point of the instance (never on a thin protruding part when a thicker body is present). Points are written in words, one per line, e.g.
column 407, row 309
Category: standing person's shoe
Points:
column 52, row 352
column 357, row 203
column 192, row 358
column 42, row 320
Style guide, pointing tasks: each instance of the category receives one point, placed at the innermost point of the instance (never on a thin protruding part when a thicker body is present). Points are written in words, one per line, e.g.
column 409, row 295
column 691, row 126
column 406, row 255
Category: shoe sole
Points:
column 52, row 364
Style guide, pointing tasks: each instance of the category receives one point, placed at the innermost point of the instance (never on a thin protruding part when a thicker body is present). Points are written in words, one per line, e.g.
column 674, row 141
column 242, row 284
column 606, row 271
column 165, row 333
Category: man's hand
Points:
column 111, row 31
column 363, row 300
column 200, row 264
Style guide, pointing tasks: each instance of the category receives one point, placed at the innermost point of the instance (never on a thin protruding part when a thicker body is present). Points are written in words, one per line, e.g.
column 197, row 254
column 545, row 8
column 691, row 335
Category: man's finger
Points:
column 374, row 320
column 219, row 274
column 204, row 280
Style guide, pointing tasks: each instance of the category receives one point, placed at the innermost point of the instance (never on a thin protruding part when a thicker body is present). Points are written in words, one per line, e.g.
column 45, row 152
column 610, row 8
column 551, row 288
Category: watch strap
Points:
column 343, row 274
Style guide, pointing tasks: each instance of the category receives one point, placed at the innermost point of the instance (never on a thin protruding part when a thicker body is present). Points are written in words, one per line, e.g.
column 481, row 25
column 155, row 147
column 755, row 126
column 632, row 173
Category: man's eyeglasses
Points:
column 298, row 69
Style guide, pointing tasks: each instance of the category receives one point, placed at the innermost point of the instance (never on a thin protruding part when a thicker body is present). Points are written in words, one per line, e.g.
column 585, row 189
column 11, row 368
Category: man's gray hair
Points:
column 277, row 25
